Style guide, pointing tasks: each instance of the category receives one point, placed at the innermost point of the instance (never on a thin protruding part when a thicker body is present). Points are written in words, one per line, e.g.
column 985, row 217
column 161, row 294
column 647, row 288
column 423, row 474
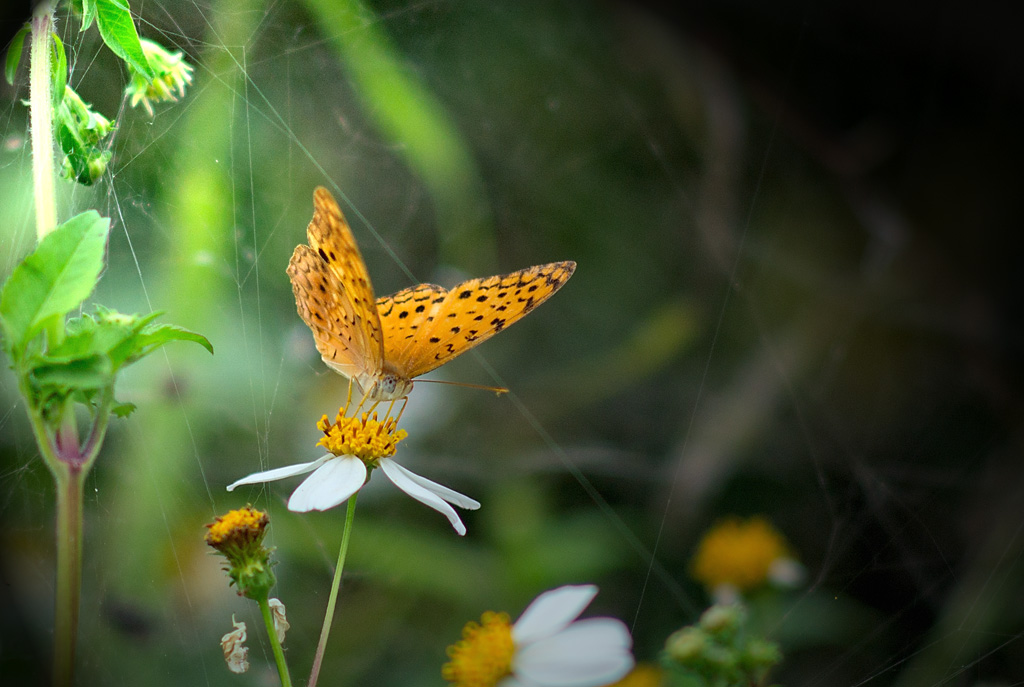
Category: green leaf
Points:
column 88, row 13
column 154, row 336
column 90, row 335
column 92, row 372
column 54, row 279
column 122, row 339
column 114, row 20
column 122, row 409
column 59, row 69
column 14, row 52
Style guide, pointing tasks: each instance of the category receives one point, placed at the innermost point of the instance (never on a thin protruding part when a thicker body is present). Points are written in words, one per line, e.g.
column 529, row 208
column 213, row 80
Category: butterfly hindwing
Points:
column 426, row 326
column 333, row 293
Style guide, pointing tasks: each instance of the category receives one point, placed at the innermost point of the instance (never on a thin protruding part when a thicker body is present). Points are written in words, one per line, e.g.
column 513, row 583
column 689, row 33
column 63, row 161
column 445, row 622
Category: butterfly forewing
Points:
column 426, row 326
column 405, row 317
column 333, row 293
column 383, row 344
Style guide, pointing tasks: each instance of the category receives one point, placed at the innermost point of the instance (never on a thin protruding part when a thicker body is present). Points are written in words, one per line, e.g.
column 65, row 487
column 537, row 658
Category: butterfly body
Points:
column 382, row 344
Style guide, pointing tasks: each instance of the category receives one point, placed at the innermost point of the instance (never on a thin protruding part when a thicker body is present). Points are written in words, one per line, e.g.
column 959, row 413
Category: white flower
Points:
column 338, row 475
column 546, row 647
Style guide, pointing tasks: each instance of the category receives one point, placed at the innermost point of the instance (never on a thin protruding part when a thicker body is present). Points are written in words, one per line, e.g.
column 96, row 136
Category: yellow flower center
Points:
column 484, row 654
column 364, row 437
column 738, row 553
column 237, row 527
column 643, row 675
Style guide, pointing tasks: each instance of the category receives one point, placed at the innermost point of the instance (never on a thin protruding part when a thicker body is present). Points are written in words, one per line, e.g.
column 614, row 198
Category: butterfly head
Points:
column 388, row 386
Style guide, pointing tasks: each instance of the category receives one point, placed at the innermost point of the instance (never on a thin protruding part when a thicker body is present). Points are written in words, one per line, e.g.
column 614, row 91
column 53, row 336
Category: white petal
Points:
column 421, row 493
column 280, row 473
column 331, row 484
column 551, row 612
column 449, row 495
column 589, row 653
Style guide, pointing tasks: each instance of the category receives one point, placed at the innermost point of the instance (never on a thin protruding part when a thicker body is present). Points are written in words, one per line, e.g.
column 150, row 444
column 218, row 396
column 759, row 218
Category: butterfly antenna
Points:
column 496, row 389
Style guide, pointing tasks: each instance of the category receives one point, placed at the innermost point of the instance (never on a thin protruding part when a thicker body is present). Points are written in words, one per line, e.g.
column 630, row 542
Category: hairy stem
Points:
column 335, row 585
column 41, row 117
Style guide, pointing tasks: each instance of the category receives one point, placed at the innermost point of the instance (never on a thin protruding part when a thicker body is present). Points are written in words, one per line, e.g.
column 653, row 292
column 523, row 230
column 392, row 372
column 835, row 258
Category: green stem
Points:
column 69, row 572
column 335, row 585
column 41, row 118
column 268, row 619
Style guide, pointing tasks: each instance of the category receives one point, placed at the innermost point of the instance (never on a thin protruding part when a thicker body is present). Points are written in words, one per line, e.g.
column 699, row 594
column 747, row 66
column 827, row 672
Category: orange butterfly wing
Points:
column 425, row 326
column 334, row 296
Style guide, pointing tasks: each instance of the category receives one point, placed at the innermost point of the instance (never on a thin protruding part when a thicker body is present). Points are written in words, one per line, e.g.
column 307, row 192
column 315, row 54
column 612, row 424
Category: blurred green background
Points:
column 796, row 296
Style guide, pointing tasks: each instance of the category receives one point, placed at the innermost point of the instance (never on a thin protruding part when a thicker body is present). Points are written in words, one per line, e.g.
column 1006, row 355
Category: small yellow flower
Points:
column 238, row 536
column 742, row 555
column 238, row 528
column 358, row 445
column 546, row 647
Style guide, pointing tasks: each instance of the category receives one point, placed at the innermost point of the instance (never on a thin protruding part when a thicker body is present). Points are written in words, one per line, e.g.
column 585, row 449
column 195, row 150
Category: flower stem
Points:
column 69, row 572
column 41, row 117
column 335, row 585
column 268, row 620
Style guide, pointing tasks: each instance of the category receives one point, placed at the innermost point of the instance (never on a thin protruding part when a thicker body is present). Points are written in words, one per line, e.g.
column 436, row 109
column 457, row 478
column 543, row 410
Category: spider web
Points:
column 794, row 298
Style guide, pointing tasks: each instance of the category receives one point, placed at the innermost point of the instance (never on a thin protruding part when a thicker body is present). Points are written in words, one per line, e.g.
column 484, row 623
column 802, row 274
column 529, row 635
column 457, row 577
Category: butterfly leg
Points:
column 391, row 406
column 362, row 400
column 405, row 402
column 348, row 399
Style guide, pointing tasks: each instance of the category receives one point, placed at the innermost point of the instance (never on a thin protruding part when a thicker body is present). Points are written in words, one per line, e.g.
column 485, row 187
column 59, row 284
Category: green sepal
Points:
column 14, row 51
column 117, row 28
column 54, row 279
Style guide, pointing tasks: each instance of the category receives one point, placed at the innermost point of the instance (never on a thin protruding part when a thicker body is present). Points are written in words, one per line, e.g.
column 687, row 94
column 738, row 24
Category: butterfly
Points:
column 382, row 344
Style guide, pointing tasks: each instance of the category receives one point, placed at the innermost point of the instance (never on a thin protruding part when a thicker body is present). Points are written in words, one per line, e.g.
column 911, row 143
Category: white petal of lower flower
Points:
column 588, row 653
column 421, row 493
column 449, row 495
column 551, row 612
column 280, row 473
column 331, row 484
